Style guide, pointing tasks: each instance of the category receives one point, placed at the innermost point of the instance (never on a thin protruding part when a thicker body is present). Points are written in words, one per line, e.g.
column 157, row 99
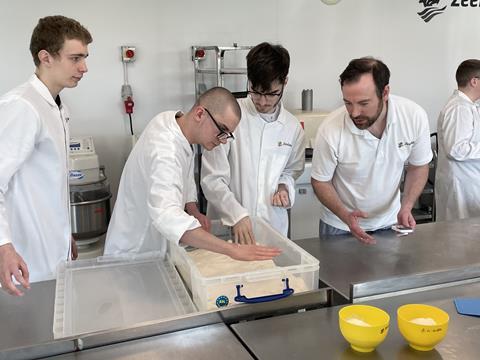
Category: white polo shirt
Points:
column 366, row 171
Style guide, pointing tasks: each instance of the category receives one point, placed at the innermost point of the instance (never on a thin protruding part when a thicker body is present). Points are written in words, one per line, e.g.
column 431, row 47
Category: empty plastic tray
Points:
column 105, row 293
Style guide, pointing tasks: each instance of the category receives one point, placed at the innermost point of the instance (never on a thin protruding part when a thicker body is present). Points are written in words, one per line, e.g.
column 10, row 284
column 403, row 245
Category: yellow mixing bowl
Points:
column 363, row 326
column 423, row 326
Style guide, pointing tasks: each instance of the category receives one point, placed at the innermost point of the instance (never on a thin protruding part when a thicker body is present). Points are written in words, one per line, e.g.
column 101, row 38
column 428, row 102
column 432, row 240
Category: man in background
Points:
column 457, row 187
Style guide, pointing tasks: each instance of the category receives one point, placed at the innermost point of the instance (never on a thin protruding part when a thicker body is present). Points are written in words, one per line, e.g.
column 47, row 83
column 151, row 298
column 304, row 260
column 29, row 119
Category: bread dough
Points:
column 259, row 278
column 424, row 321
column 213, row 264
column 355, row 321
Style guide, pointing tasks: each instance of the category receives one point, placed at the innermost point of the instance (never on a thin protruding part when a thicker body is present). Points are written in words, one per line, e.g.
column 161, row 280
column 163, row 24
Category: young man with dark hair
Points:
column 457, row 186
column 156, row 202
column 35, row 232
column 255, row 175
column 360, row 151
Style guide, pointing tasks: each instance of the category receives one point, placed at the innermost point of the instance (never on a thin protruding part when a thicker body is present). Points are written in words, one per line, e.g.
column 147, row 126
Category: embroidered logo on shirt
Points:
column 401, row 143
column 282, row 143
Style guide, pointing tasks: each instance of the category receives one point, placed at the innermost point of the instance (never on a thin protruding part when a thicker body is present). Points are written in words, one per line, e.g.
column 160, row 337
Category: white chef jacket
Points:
column 156, row 183
column 240, row 178
column 366, row 171
column 457, row 185
column 34, row 196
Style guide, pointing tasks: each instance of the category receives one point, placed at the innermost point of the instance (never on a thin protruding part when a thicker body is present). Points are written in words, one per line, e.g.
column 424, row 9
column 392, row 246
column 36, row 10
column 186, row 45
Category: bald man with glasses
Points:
column 224, row 133
column 156, row 202
column 255, row 174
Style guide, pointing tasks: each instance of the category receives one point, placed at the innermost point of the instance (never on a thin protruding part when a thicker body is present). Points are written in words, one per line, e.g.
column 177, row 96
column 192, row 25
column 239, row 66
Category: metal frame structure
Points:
column 219, row 70
column 200, row 54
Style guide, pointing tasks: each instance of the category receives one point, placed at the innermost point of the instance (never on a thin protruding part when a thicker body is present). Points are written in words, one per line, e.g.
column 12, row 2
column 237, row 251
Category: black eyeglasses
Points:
column 224, row 134
column 268, row 96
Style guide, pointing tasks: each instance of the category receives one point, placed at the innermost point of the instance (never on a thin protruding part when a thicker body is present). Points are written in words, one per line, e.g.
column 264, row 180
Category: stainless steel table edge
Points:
column 414, row 290
column 103, row 338
column 413, row 283
column 308, row 300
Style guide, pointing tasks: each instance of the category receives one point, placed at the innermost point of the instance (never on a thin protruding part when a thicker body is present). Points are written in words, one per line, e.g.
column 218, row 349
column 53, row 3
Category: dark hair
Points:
column 367, row 65
column 267, row 63
column 51, row 33
column 467, row 70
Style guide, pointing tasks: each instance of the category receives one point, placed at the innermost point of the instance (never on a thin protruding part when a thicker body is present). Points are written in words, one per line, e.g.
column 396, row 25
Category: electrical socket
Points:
column 126, row 91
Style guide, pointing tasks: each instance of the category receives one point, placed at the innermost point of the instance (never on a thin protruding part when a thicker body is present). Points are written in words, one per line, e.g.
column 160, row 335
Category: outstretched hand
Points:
column 253, row 252
column 355, row 228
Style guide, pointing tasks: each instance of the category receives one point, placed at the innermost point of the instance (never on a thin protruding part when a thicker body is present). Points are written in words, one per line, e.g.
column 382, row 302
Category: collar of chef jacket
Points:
column 44, row 92
column 253, row 111
column 464, row 96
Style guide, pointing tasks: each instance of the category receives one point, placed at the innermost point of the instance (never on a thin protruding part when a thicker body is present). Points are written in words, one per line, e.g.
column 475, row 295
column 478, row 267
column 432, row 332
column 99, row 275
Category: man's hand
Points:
column 281, row 198
column 204, row 221
column 415, row 180
column 243, row 231
column 355, row 228
column 12, row 264
column 253, row 252
column 405, row 218
column 192, row 209
column 74, row 249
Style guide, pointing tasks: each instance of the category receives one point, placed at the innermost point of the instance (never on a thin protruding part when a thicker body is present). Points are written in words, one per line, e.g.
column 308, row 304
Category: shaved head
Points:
column 218, row 100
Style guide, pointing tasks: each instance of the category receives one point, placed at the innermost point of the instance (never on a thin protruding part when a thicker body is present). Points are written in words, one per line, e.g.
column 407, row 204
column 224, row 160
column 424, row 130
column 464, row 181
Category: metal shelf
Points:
column 227, row 71
column 215, row 68
column 202, row 53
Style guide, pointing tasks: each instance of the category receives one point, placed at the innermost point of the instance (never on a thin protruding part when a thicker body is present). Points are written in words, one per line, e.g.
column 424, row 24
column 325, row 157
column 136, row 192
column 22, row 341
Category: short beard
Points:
column 370, row 120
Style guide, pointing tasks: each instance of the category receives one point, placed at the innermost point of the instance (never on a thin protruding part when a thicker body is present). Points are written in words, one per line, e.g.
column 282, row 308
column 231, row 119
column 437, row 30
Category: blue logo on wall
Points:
column 221, row 301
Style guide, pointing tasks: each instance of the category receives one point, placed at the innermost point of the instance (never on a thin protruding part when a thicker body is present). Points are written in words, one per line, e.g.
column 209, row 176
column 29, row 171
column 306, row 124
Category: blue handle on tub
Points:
column 286, row 292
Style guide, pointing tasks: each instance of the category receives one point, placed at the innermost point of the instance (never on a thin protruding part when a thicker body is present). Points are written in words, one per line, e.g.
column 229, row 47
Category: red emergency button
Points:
column 200, row 53
column 130, row 53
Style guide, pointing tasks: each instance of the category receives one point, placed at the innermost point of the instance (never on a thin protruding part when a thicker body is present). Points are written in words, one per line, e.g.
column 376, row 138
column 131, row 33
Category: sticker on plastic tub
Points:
column 221, row 301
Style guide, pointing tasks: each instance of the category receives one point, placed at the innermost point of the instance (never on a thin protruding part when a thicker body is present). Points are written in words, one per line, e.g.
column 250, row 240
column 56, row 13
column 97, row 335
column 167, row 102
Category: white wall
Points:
column 321, row 40
column 422, row 57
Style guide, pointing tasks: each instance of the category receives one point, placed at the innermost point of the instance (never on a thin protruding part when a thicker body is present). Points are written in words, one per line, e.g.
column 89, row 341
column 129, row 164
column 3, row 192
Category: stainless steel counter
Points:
column 315, row 334
column 436, row 253
column 203, row 343
column 26, row 329
column 29, row 319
